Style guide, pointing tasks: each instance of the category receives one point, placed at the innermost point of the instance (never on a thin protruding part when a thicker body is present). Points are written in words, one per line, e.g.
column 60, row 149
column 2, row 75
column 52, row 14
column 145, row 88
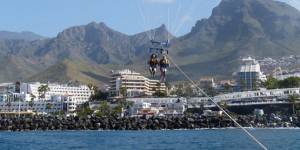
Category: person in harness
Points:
column 164, row 65
column 152, row 64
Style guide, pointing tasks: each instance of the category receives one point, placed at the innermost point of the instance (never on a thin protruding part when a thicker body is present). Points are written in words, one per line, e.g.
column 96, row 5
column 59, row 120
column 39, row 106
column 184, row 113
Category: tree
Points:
column 48, row 106
column 85, row 110
column 158, row 85
column 129, row 104
column 9, row 104
column 32, row 97
column 91, row 86
column 31, row 103
column 290, row 82
column 104, row 109
column 179, row 90
column 123, row 91
column 255, row 84
column 168, row 85
column 43, row 90
column 117, row 110
column 210, row 91
column 228, row 88
column 293, row 99
column 243, row 85
column 98, row 96
column 271, row 83
column 159, row 93
column 188, row 90
column 86, row 105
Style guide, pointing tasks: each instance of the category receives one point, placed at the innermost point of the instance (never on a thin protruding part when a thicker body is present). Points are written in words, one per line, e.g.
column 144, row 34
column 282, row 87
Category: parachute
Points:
column 156, row 12
column 161, row 47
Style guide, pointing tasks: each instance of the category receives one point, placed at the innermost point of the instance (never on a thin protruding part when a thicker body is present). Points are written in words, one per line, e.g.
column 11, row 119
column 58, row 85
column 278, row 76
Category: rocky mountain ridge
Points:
column 214, row 46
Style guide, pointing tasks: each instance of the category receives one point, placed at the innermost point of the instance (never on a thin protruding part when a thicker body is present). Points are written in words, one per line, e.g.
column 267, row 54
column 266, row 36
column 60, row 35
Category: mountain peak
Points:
column 97, row 25
column 24, row 35
column 247, row 27
column 254, row 7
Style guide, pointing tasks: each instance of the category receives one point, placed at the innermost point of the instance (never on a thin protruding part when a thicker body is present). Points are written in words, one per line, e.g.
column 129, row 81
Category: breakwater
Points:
column 44, row 123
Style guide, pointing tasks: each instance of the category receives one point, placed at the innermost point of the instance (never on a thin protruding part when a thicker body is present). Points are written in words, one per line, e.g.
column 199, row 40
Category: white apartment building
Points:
column 135, row 83
column 80, row 93
column 249, row 74
column 58, row 102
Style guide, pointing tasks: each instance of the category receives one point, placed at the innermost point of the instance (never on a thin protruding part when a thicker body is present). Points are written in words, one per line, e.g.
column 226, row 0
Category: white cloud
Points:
column 187, row 18
column 159, row 1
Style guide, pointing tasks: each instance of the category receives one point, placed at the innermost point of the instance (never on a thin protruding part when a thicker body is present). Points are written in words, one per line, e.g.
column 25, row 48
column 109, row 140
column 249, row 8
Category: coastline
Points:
column 46, row 123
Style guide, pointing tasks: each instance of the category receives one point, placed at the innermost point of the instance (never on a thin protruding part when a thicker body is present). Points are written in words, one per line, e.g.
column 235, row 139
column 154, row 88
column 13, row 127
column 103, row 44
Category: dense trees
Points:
column 105, row 108
column 184, row 89
column 99, row 96
column 290, row 82
column 210, row 91
column 85, row 110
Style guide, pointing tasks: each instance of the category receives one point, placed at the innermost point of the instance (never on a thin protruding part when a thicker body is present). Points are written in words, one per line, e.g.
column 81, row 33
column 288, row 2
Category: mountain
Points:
column 75, row 54
column 25, row 35
column 237, row 29
column 213, row 47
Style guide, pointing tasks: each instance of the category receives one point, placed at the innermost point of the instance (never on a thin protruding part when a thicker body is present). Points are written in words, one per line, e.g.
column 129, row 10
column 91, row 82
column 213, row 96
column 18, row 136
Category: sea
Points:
column 206, row 139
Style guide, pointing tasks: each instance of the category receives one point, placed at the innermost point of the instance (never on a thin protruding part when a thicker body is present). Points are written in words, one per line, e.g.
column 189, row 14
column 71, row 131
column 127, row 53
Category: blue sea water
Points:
column 223, row 139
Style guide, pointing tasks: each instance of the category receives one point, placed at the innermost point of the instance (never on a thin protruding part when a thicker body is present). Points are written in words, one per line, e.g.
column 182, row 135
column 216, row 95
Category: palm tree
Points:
column 117, row 110
column 32, row 97
column 9, row 104
column 168, row 85
column 43, row 90
column 123, row 91
column 40, row 90
column 90, row 86
column 31, row 103
column 228, row 88
column 104, row 109
column 48, row 106
column 158, row 86
column 293, row 100
column 86, row 104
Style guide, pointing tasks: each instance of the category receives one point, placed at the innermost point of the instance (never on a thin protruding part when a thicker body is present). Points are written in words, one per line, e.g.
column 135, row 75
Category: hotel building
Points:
column 135, row 84
column 249, row 74
column 79, row 93
column 61, row 97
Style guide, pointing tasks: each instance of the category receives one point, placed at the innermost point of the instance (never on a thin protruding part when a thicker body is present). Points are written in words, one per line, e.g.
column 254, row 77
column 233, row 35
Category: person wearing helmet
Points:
column 152, row 64
column 164, row 64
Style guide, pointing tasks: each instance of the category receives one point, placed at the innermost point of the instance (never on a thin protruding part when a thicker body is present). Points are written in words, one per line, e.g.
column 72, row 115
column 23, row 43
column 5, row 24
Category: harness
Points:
column 164, row 62
column 153, row 61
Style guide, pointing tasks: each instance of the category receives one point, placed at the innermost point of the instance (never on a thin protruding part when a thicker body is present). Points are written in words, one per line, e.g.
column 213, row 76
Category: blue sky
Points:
column 49, row 17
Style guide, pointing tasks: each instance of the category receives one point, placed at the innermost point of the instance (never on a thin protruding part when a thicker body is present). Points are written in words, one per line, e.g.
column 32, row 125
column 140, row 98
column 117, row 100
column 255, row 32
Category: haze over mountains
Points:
column 26, row 35
column 213, row 47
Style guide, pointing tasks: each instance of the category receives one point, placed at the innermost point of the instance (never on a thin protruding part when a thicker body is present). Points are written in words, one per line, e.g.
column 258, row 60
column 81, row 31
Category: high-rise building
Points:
column 249, row 74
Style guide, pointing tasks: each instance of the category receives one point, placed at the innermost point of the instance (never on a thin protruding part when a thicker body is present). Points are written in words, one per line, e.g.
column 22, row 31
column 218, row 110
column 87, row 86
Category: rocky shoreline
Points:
column 45, row 123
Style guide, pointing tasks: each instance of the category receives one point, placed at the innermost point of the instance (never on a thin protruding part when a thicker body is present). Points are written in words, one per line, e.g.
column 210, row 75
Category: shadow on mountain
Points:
column 97, row 77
